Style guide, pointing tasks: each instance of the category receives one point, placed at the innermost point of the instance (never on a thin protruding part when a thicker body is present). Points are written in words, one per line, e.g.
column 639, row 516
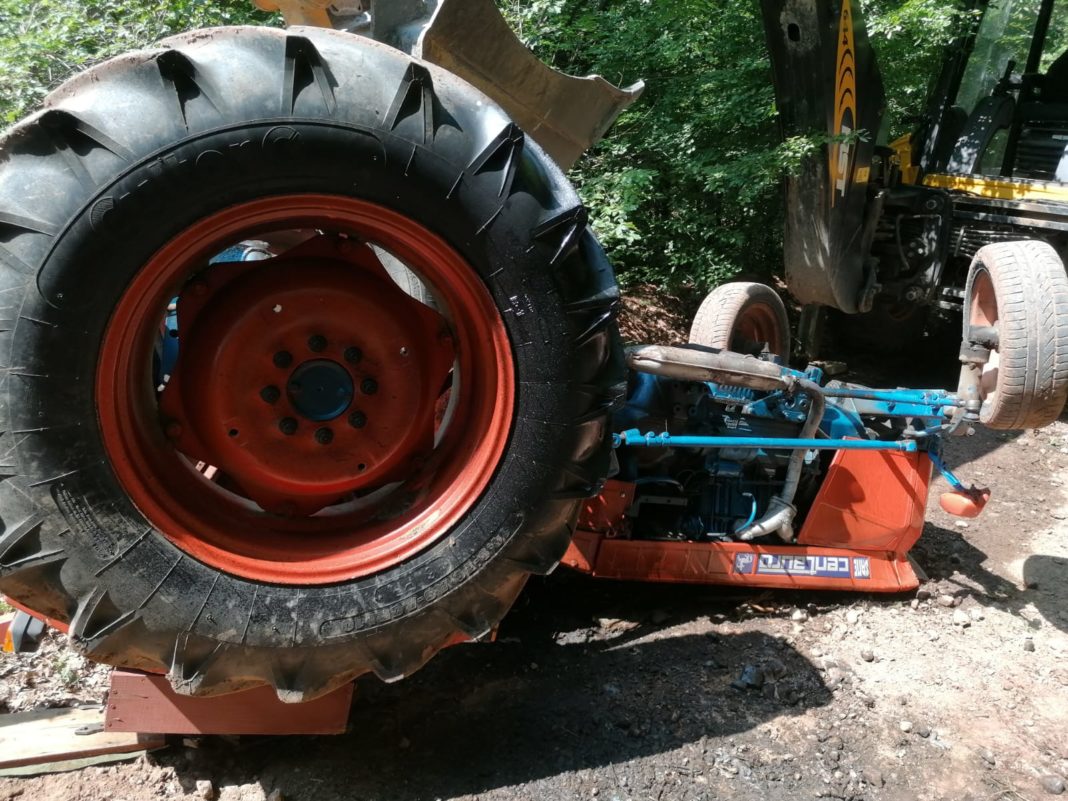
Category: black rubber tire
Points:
column 716, row 320
column 1030, row 290
column 128, row 154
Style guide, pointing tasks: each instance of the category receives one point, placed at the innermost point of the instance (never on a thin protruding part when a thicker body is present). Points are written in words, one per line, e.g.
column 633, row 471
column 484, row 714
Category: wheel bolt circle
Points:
column 288, row 426
column 317, row 343
column 270, row 394
column 283, row 358
column 357, row 419
column 324, row 436
column 369, row 386
column 353, row 355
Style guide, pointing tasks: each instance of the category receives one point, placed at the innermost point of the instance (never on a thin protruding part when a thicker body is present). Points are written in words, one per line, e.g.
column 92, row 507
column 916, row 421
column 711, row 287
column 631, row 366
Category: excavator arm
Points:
column 827, row 81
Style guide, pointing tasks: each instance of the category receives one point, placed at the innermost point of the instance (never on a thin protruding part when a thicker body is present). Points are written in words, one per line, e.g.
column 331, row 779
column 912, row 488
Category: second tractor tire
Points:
column 1020, row 289
column 743, row 316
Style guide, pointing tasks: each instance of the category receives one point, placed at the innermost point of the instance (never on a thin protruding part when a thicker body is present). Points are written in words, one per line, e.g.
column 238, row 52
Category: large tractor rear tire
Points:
column 334, row 475
column 1020, row 290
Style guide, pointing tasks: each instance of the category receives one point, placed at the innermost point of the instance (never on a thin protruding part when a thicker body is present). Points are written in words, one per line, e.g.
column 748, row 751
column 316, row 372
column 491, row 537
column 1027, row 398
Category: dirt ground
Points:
column 619, row 692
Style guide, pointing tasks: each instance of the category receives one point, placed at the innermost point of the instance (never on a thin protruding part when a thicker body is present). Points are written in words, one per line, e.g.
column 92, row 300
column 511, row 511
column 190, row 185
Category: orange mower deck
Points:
column 866, row 517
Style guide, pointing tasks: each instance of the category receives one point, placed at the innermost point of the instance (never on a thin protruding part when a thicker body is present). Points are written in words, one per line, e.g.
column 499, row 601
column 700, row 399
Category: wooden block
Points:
column 49, row 735
column 142, row 702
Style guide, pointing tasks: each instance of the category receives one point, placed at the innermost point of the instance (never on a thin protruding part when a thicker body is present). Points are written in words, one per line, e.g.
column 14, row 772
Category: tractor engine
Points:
column 708, row 493
column 716, row 446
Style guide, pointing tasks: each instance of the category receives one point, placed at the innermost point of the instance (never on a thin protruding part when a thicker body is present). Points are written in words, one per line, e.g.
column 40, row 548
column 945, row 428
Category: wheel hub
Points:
column 306, row 378
column 320, row 390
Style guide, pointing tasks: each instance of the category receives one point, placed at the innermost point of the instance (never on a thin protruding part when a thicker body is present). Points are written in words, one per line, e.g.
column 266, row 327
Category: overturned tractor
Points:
column 310, row 362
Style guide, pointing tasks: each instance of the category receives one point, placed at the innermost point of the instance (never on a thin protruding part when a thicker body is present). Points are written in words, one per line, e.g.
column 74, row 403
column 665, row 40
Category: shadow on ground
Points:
column 580, row 677
column 944, row 554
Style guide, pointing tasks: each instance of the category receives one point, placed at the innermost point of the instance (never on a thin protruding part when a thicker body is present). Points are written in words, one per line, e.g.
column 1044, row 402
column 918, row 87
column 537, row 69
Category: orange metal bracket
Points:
column 865, row 518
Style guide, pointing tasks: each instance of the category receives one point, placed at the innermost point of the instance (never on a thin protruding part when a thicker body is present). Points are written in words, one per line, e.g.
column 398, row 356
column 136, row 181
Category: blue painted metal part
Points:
column 936, row 460
column 320, row 389
column 633, row 437
column 937, row 398
column 644, row 396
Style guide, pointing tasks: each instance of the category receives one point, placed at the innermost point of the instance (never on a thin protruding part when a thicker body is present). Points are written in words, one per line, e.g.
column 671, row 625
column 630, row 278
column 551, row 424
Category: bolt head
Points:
column 288, row 426
column 369, row 386
column 283, row 358
column 357, row 419
column 270, row 394
column 317, row 343
column 324, row 436
column 353, row 355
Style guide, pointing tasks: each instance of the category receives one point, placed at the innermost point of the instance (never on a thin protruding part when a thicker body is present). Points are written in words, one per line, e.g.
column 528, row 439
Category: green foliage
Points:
column 686, row 188
column 43, row 42
column 680, row 188
column 685, row 191
column 910, row 37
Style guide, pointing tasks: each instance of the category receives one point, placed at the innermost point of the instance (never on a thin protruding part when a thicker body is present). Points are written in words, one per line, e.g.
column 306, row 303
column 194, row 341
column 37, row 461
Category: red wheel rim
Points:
column 757, row 324
column 983, row 313
column 418, row 474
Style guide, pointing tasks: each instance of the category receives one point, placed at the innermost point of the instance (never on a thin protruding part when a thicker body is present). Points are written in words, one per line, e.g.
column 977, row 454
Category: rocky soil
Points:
column 659, row 693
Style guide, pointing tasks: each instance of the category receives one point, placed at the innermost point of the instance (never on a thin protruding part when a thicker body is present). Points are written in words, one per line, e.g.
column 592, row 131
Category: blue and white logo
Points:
column 861, row 567
column 743, row 562
column 822, row 566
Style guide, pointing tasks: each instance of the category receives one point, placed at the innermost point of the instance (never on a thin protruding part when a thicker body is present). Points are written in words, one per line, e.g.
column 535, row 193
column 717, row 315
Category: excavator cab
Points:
column 1006, row 102
column 995, row 135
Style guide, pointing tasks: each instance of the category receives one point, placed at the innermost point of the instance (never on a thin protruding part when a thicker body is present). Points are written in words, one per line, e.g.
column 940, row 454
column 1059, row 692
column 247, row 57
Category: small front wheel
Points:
column 743, row 317
column 1016, row 299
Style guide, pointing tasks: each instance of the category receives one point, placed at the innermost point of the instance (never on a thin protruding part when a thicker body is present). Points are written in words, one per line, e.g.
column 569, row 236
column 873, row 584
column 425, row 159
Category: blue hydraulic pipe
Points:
column 923, row 397
column 635, row 438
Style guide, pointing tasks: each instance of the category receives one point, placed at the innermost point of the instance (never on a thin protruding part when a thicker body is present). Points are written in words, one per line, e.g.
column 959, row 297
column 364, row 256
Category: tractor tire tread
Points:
column 192, row 85
column 713, row 325
column 1031, row 291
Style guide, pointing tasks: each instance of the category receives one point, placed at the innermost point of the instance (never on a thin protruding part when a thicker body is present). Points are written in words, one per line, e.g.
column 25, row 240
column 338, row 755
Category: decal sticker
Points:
column 861, row 567
column 743, row 562
column 845, row 106
column 820, row 566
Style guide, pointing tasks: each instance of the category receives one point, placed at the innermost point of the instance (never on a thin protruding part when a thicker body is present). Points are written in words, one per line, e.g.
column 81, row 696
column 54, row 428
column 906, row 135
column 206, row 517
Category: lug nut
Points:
column 288, row 426
column 324, row 436
column 317, row 343
column 369, row 386
column 353, row 355
column 283, row 358
column 270, row 394
column 357, row 419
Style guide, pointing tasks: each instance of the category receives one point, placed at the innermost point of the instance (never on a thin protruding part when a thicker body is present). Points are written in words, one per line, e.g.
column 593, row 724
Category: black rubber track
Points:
column 1031, row 291
column 125, row 156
